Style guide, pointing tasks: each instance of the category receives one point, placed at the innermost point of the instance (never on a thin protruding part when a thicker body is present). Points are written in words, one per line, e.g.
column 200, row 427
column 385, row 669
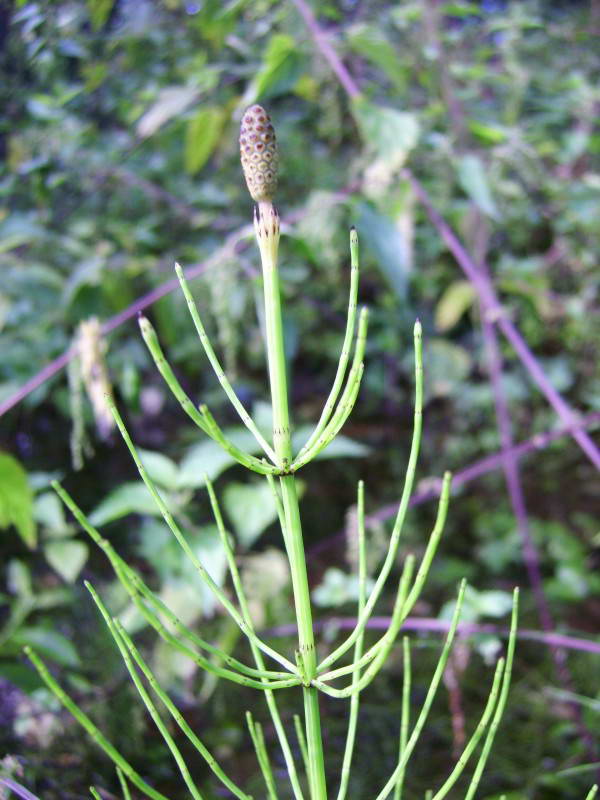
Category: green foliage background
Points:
column 118, row 143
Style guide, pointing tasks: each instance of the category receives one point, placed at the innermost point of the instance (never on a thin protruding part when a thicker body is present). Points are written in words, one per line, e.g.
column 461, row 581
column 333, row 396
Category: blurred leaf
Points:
column 280, row 68
column 99, row 12
column 370, row 42
column 50, row 643
column 66, row 557
column 271, row 562
column 160, row 468
column 129, row 498
column 208, row 457
column 337, row 588
column 460, row 9
column 493, row 603
column 446, row 367
column 19, row 578
column 251, row 509
column 385, row 241
column 49, row 511
column 201, row 137
column 170, row 103
column 388, row 135
column 457, row 299
column 487, row 133
column 473, row 179
column 341, row 447
column 16, row 499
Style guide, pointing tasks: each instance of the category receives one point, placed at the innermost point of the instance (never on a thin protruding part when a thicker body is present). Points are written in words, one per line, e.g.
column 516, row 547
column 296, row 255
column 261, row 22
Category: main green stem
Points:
column 268, row 235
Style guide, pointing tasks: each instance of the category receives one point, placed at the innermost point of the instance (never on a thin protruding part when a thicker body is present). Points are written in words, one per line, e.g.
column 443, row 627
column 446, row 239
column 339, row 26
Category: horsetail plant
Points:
column 302, row 671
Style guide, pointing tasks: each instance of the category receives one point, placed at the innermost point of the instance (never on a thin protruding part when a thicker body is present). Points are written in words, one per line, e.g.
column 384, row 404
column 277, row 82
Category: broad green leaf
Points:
column 457, row 299
column 67, row 557
column 473, row 179
column 280, row 68
column 388, row 135
column 251, row 508
column 162, row 470
column 130, row 498
column 50, row 643
column 201, row 137
column 16, row 499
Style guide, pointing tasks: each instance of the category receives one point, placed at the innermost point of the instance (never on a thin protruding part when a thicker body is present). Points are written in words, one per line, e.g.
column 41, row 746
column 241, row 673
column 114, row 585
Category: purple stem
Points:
column 430, row 625
column 19, row 790
column 510, row 467
column 327, row 49
column 497, row 314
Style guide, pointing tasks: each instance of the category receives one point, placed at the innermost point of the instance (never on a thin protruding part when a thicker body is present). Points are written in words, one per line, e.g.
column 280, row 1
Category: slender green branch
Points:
column 177, row 716
column 477, row 734
column 414, row 592
column 219, row 372
column 346, row 346
column 146, row 699
column 358, row 647
column 396, row 621
column 405, row 712
column 489, row 739
column 89, row 726
column 245, row 459
column 202, row 417
column 258, row 741
column 386, row 644
column 124, row 786
column 301, row 741
column 431, row 692
column 134, row 585
column 95, row 793
column 592, row 792
column 402, row 509
column 347, row 400
column 168, row 517
column 163, row 366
